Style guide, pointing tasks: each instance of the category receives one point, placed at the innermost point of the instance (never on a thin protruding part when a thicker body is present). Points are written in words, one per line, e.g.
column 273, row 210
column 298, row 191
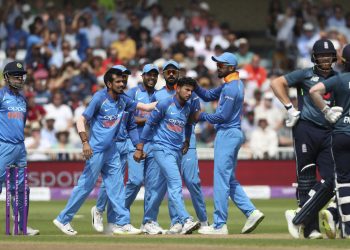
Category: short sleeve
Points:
column 331, row 83
column 295, row 78
column 93, row 107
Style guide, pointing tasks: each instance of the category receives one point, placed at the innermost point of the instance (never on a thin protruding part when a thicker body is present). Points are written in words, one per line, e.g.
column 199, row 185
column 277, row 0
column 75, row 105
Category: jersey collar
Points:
column 178, row 105
column 231, row 77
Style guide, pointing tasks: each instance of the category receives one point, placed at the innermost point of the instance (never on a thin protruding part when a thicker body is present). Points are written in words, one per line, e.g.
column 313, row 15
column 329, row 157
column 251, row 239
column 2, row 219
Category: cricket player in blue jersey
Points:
column 103, row 114
column 123, row 148
column 189, row 165
column 146, row 170
column 13, row 114
column 169, row 124
column 312, row 144
column 340, row 86
column 229, row 137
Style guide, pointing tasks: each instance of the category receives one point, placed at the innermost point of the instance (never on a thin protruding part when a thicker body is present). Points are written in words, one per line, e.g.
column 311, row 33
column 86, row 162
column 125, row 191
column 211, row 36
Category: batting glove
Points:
column 293, row 117
column 332, row 114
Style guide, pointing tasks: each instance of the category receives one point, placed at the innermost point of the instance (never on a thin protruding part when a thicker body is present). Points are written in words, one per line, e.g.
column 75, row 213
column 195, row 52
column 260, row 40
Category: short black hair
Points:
column 108, row 75
column 186, row 81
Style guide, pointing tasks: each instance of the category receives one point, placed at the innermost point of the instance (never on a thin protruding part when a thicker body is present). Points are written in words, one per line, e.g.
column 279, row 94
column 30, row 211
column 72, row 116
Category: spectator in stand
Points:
column 94, row 32
column 156, row 50
column 180, row 46
column 285, row 24
column 16, row 35
column 110, row 34
column 232, row 39
column 42, row 94
column 97, row 66
column 264, row 140
column 177, row 21
column 3, row 29
column 27, row 16
column 196, row 41
column 167, row 36
column 64, row 55
column 304, row 44
column 200, row 68
column 62, row 112
column 84, row 81
column 222, row 38
column 48, row 132
column 74, row 100
column 256, row 72
column 201, row 19
column 273, row 115
column 112, row 59
column 11, row 53
column 52, row 22
column 79, row 25
column 135, row 30
column 125, row 46
column 69, row 34
column 63, row 143
column 337, row 19
column 35, row 112
column 154, row 21
column 248, row 126
column 190, row 61
column 213, row 27
column 36, row 142
column 346, row 29
column 244, row 56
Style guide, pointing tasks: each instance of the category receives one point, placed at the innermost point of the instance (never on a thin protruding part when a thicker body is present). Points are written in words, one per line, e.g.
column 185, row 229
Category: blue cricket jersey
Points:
column 104, row 114
column 164, row 93
column 128, row 129
column 340, row 86
column 303, row 80
column 169, row 123
column 13, row 115
column 229, row 111
column 140, row 94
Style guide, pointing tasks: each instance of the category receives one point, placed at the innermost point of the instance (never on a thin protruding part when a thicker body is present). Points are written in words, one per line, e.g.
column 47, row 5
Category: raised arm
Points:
column 209, row 95
column 146, row 106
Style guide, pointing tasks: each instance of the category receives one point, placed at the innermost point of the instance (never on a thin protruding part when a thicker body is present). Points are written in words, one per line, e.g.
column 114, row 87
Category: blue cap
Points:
column 122, row 68
column 226, row 58
column 171, row 62
column 148, row 67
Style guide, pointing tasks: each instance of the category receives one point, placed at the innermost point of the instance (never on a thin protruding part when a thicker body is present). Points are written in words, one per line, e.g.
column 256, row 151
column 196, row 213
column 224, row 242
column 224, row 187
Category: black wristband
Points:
column 288, row 107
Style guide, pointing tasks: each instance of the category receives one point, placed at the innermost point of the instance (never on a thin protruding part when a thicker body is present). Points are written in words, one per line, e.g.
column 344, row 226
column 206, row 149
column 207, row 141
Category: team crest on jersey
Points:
column 315, row 79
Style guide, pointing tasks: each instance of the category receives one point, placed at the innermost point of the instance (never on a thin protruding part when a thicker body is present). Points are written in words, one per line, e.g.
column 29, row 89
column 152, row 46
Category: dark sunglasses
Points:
column 169, row 72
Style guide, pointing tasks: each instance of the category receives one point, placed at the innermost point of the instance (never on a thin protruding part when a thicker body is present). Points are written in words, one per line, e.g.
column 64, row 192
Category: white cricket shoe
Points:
column 97, row 219
column 315, row 235
column 126, row 229
column 175, row 229
column 32, row 231
column 294, row 230
column 211, row 230
column 204, row 224
column 253, row 221
column 151, row 228
column 190, row 226
column 328, row 223
column 67, row 229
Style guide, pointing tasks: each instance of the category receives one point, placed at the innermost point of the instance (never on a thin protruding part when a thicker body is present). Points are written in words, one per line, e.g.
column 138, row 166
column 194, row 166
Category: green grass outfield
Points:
column 271, row 234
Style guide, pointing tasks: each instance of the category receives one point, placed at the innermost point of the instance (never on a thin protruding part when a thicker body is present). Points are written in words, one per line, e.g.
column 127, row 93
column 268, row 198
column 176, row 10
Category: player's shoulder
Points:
column 165, row 102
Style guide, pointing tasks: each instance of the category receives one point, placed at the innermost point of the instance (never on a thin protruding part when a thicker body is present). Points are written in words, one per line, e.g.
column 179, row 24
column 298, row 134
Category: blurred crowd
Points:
column 67, row 49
